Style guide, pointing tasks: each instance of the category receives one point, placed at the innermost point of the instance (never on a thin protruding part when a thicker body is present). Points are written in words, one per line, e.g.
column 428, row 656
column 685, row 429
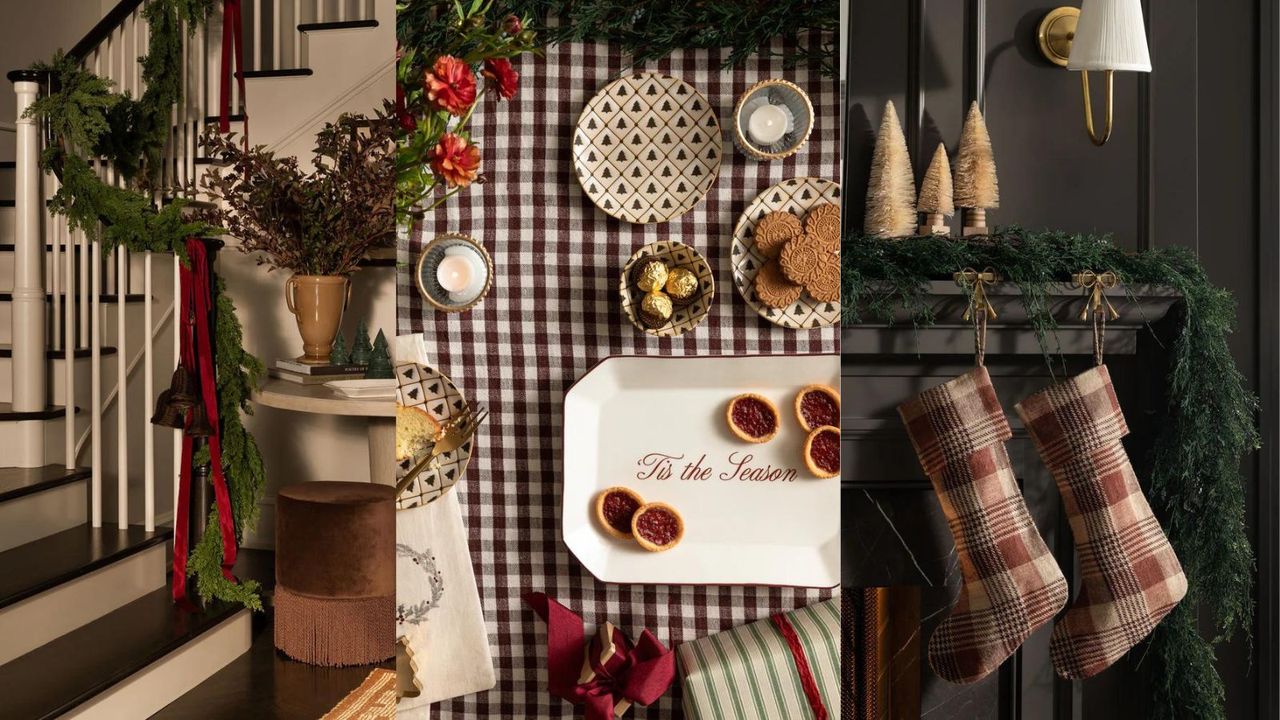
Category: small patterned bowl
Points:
column 674, row 254
column 792, row 100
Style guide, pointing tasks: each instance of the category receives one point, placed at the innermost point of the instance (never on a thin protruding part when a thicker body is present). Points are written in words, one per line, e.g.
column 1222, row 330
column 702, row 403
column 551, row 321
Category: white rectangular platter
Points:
column 753, row 514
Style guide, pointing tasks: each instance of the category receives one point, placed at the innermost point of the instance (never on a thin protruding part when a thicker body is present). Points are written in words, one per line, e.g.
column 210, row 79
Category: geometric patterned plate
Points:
column 796, row 196
column 647, row 148
column 674, row 254
column 429, row 389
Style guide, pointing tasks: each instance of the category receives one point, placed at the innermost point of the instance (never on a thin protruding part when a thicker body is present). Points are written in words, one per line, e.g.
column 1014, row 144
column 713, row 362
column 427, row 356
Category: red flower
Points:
column 450, row 85
column 511, row 25
column 501, row 76
column 455, row 160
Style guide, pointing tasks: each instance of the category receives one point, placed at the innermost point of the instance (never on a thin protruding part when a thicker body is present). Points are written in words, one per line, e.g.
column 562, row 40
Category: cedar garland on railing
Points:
column 1192, row 476
column 86, row 119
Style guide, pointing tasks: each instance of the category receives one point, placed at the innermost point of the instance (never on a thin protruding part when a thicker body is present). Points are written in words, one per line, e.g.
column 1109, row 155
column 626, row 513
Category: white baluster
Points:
column 122, row 395
column 148, row 392
column 294, row 36
column 28, row 306
column 277, row 34
column 178, row 322
column 95, row 375
column 55, row 227
column 342, row 10
column 69, row 356
column 258, row 31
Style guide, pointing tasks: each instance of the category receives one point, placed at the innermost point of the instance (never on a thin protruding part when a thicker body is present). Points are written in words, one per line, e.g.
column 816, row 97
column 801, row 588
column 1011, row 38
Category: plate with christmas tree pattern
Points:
column 797, row 196
column 647, row 148
column 420, row 386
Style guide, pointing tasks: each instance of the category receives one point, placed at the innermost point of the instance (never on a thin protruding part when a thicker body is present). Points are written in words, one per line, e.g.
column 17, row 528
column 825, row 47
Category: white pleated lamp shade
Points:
column 1110, row 35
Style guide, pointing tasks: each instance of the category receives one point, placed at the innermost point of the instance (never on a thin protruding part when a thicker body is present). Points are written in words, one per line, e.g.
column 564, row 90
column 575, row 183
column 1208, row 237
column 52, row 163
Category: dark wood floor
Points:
column 262, row 683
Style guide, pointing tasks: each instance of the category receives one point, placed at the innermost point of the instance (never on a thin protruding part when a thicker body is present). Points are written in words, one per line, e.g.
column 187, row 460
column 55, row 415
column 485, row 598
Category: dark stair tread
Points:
column 66, row 672
column 6, row 351
column 288, row 72
column 19, row 482
column 39, row 565
column 232, row 117
column 343, row 25
column 8, row 414
column 8, row 164
column 10, row 247
column 8, row 203
column 104, row 297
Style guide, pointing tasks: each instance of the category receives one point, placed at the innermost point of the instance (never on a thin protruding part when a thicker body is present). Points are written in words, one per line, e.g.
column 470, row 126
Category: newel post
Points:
column 28, row 306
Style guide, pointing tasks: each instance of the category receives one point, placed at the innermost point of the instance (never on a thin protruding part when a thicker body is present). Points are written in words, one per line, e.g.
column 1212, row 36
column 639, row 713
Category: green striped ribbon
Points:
column 748, row 673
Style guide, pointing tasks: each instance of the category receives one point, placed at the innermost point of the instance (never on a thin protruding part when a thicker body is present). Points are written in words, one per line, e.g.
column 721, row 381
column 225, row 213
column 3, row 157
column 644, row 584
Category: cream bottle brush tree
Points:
column 977, row 188
column 936, row 200
column 891, row 191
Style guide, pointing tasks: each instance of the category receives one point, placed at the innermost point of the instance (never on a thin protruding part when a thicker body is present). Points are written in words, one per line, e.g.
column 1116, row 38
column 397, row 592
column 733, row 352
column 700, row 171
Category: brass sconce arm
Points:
column 1088, row 107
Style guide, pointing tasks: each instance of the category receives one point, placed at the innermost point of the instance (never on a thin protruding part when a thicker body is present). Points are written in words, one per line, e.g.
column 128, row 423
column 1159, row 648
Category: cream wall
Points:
column 33, row 30
column 354, row 71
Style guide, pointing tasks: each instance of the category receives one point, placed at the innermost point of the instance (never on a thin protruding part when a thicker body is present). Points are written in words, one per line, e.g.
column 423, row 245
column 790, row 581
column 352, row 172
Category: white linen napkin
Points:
column 437, row 605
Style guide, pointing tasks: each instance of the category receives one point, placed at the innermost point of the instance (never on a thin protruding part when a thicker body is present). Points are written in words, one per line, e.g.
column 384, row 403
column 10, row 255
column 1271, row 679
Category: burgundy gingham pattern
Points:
column 553, row 312
column 1130, row 576
column 1011, row 582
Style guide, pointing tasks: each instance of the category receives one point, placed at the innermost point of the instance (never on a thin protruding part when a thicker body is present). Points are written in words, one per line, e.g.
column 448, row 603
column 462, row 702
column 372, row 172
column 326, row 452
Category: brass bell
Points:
column 167, row 413
column 182, row 388
column 199, row 426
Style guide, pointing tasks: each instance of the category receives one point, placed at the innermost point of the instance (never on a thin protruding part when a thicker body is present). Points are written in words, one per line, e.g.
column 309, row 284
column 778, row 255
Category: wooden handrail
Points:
column 103, row 29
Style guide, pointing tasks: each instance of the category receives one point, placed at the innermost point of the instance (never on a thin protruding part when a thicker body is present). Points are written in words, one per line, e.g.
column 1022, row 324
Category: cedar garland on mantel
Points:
column 1208, row 426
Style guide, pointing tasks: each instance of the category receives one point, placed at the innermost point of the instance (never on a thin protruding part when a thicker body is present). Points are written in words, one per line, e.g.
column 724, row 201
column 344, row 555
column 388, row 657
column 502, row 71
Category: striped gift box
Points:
column 785, row 666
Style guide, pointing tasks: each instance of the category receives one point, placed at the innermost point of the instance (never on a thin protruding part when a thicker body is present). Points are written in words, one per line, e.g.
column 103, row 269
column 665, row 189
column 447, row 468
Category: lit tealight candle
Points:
column 454, row 273
column 767, row 124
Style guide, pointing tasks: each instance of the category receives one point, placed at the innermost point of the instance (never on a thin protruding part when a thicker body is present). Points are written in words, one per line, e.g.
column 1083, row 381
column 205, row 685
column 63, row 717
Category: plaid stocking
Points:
column 1130, row 578
column 1012, row 585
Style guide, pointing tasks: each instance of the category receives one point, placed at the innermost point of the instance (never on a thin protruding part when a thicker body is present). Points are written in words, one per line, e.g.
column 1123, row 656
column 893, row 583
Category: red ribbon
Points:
column 615, row 673
column 807, row 680
column 232, row 41
column 197, row 357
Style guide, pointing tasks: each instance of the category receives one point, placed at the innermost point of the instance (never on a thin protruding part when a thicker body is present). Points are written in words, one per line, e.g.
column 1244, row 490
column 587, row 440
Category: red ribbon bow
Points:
column 613, row 675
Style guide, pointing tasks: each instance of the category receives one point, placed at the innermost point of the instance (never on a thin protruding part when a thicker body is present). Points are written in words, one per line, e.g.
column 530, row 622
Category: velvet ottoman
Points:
column 335, row 589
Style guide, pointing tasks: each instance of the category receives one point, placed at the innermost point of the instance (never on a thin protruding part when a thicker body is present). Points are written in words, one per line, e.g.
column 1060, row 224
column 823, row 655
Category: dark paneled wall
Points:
column 1192, row 162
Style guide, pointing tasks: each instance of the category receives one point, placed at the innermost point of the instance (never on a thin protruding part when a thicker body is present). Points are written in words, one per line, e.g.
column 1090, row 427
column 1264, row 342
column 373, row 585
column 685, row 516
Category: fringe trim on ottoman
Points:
column 335, row 631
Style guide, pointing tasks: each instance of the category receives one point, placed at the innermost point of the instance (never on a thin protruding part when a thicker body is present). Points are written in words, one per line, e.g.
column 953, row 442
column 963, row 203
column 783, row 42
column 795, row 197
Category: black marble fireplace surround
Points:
column 1194, row 161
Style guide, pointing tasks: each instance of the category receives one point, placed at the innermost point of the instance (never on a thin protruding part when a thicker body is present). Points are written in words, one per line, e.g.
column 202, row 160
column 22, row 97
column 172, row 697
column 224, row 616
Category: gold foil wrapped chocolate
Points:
column 652, row 276
column 657, row 304
column 681, row 283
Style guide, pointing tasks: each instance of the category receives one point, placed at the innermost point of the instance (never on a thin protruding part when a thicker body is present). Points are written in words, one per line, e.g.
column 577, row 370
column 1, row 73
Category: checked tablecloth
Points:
column 554, row 311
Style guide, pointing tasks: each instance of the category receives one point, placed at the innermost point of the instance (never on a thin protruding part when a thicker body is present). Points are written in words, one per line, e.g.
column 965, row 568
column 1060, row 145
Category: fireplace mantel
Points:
column 1010, row 333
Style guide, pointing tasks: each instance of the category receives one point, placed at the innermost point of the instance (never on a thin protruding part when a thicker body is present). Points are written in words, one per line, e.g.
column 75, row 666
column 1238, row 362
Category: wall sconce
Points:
column 1104, row 35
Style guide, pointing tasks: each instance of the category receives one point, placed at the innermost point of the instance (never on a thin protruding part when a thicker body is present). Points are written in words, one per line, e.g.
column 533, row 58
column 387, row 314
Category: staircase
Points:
column 87, row 624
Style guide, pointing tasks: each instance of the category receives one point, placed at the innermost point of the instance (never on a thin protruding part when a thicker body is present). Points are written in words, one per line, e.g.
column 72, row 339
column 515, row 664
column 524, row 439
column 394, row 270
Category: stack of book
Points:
column 305, row 374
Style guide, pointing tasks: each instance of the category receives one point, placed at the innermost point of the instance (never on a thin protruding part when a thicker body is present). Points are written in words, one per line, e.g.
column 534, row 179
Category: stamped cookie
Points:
column 824, row 222
column 826, row 286
column 773, row 288
column 775, row 230
column 806, row 259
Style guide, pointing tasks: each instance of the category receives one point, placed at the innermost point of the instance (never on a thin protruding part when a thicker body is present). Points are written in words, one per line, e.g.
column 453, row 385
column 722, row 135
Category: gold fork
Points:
column 456, row 432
